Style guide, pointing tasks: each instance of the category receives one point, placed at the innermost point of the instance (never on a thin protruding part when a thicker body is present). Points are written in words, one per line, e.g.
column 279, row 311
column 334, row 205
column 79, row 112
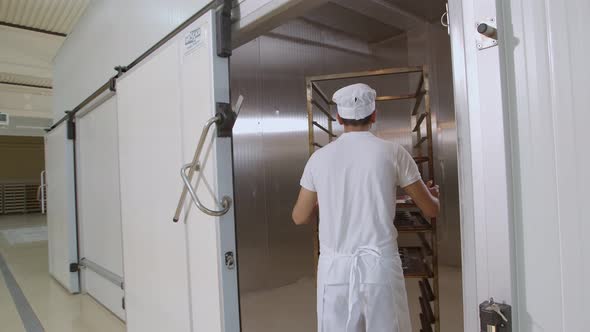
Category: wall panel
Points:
column 546, row 79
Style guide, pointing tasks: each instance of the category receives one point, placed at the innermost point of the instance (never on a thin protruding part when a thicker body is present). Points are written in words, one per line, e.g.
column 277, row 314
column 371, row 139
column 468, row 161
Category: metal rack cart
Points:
column 419, row 262
column 19, row 198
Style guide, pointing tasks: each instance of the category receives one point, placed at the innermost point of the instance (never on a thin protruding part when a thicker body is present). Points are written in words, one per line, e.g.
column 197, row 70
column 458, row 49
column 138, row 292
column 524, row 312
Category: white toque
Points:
column 355, row 101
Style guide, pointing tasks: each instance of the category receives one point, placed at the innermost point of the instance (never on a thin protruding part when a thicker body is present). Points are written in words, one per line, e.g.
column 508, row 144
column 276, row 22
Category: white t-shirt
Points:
column 356, row 178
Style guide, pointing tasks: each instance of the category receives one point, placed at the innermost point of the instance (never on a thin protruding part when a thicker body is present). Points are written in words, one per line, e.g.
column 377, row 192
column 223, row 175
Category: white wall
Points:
column 547, row 76
column 111, row 33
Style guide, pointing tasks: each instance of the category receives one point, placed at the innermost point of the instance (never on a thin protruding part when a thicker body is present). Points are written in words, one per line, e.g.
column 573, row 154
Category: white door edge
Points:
column 484, row 177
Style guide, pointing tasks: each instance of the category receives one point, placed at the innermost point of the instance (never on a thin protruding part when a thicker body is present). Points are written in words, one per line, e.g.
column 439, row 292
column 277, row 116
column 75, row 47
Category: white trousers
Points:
column 362, row 292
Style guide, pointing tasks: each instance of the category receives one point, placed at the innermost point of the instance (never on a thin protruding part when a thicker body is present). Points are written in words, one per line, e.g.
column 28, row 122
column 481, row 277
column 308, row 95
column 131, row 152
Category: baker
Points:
column 351, row 183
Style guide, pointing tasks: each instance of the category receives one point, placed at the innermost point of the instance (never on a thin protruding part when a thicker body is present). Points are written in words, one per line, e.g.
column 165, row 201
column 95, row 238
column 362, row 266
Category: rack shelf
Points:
column 419, row 122
column 411, row 222
column 414, row 263
column 422, row 140
column 420, row 160
column 390, row 98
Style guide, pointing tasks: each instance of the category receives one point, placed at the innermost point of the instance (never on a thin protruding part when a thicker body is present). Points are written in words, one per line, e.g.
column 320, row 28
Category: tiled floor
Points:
column 57, row 310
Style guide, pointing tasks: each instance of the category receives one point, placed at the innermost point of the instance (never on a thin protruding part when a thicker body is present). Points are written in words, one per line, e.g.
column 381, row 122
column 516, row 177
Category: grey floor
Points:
column 23, row 246
column 286, row 309
column 292, row 308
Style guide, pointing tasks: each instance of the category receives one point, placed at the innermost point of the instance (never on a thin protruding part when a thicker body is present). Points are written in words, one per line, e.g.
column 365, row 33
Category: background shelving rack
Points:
column 419, row 262
column 19, row 197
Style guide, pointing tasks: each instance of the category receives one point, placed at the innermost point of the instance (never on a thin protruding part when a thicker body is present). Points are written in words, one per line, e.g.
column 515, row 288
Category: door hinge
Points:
column 223, row 24
column 487, row 33
column 230, row 262
column 74, row 267
column 228, row 119
column 71, row 127
column 495, row 317
column 123, row 303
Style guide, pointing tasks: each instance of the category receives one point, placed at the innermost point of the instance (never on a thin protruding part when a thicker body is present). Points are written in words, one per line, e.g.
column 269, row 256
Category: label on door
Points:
column 193, row 40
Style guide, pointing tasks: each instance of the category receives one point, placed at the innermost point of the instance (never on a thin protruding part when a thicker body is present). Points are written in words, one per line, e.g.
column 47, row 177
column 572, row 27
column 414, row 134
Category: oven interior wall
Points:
column 271, row 142
column 271, row 149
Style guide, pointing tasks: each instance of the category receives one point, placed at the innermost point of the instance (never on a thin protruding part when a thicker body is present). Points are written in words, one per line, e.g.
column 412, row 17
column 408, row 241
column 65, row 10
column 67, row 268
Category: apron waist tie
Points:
column 354, row 279
column 355, row 274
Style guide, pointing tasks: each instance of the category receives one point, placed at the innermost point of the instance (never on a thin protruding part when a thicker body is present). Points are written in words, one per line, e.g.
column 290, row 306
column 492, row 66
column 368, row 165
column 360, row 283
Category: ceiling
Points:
column 351, row 22
column 430, row 10
column 57, row 16
column 374, row 21
column 31, row 33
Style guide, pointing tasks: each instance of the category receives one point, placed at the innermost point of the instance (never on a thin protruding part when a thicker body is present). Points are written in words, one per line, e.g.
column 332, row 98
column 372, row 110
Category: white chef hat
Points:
column 355, row 101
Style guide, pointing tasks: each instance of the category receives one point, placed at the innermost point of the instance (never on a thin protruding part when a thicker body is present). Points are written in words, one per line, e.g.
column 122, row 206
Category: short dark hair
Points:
column 357, row 123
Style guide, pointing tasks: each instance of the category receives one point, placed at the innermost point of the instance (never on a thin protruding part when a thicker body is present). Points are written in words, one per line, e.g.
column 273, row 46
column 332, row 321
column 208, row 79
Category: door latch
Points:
column 230, row 262
column 495, row 317
column 487, row 33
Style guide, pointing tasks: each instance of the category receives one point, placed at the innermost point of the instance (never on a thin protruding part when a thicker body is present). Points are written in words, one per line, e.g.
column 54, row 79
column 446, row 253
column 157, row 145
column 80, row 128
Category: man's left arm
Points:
column 306, row 208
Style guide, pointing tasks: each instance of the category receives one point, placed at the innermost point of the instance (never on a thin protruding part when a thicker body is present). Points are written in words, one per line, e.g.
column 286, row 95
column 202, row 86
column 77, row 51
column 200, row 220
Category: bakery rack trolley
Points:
column 419, row 262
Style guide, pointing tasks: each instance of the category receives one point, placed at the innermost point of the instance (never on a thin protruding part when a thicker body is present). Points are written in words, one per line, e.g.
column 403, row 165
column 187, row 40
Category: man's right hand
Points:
column 425, row 196
column 434, row 189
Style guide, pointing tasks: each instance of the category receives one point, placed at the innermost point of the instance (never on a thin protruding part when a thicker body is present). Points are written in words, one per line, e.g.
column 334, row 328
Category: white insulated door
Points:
column 175, row 273
column 61, row 207
column 99, row 210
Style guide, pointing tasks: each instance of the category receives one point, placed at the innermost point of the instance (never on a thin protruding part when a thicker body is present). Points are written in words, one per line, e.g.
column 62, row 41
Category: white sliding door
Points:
column 175, row 273
column 61, row 207
column 99, row 208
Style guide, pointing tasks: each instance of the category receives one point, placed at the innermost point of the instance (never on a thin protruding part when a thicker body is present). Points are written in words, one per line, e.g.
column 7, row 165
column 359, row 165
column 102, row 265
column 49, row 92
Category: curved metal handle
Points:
column 225, row 202
column 41, row 191
column 187, row 178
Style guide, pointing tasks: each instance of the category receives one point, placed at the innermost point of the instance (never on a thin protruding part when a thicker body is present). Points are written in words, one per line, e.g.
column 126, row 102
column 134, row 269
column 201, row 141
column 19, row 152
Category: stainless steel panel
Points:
column 270, row 140
column 249, row 175
column 429, row 44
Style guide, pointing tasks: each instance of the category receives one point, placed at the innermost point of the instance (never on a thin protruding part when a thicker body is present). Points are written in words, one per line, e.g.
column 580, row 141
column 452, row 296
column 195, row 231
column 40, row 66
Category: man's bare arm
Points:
column 306, row 207
column 426, row 198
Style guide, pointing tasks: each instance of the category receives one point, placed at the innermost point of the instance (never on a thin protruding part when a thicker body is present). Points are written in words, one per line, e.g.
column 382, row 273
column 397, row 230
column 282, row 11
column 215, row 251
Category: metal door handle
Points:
column 225, row 203
column 194, row 166
column 41, row 191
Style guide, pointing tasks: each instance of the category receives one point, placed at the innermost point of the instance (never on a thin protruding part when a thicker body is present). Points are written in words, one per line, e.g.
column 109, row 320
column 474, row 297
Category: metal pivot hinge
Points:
column 74, row 267
column 487, row 33
column 227, row 119
column 223, row 23
column 230, row 262
column 495, row 317
column 71, row 126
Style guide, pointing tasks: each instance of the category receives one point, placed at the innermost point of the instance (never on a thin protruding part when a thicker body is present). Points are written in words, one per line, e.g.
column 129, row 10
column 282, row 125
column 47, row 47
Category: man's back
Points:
column 353, row 182
column 355, row 178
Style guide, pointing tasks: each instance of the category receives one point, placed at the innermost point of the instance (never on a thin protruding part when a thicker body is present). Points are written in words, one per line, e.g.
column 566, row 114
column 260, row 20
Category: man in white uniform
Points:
column 353, row 182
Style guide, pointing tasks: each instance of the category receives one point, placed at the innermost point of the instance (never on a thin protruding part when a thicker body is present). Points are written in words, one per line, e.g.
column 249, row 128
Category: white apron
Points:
column 362, row 291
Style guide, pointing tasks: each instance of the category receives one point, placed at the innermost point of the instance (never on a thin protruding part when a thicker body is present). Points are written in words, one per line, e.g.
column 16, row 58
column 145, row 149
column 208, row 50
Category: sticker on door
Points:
column 193, row 40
